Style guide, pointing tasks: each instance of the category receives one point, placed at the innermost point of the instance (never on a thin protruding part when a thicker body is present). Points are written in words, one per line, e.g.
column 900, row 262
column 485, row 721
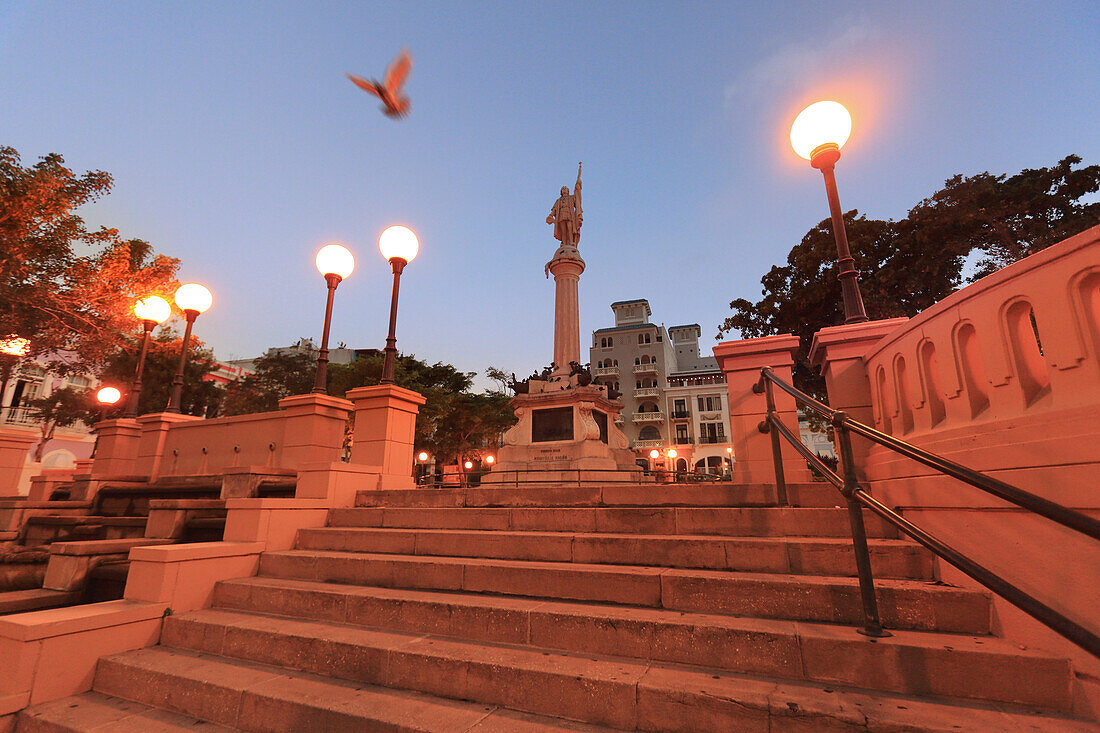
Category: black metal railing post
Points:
column 765, row 386
column 872, row 624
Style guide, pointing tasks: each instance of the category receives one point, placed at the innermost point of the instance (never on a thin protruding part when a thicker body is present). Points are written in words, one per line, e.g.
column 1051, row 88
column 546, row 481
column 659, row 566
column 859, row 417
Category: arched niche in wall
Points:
column 883, row 401
column 968, row 361
column 905, row 405
column 1026, row 348
column 1088, row 295
column 930, row 378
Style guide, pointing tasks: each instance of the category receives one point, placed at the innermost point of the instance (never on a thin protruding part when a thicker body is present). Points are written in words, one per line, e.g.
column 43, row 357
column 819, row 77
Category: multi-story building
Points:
column 673, row 397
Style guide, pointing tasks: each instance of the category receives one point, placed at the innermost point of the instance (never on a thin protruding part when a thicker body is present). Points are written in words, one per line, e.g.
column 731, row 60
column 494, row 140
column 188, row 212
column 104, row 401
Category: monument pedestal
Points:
column 565, row 433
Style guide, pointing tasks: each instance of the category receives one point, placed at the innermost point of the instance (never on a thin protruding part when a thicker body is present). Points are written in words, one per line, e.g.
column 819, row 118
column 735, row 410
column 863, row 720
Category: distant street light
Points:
column 152, row 311
column 399, row 246
column 817, row 135
column 335, row 262
column 490, row 460
column 15, row 346
column 108, row 395
column 422, row 457
column 192, row 299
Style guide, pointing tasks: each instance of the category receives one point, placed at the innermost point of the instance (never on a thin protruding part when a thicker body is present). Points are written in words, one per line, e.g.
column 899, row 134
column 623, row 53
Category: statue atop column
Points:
column 566, row 215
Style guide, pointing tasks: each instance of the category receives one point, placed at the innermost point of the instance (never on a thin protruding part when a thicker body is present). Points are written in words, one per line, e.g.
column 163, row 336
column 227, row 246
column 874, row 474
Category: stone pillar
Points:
column 741, row 362
column 385, row 423
column 116, row 449
column 14, row 447
column 566, row 267
column 838, row 351
column 314, row 431
column 154, row 432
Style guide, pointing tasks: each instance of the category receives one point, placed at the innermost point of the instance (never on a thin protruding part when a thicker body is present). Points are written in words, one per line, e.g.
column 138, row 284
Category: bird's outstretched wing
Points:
column 366, row 86
column 398, row 72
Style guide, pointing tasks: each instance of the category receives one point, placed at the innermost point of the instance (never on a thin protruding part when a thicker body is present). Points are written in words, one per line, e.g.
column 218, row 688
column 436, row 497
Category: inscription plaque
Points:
column 552, row 424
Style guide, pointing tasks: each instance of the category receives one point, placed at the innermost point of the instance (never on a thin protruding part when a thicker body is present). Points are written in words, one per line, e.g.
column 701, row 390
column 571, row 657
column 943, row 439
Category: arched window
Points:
column 610, row 342
column 649, row 432
column 637, row 361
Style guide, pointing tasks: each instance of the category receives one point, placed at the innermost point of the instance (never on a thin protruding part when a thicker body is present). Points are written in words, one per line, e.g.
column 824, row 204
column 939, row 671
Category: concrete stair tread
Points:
column 718, row 493
column 93, row 711
column 254, row 696
column 800, row 555
column 35, row 599
column 787, row 649
column 902, row 603
column 596, row 688
column 643, row 519
column 639, row 570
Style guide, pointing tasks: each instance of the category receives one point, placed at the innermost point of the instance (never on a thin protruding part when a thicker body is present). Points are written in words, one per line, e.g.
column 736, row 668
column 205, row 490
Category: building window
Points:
column 610, row 342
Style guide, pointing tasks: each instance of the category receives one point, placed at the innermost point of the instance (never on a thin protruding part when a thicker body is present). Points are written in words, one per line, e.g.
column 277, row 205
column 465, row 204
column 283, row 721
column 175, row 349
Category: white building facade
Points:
column 673, row 398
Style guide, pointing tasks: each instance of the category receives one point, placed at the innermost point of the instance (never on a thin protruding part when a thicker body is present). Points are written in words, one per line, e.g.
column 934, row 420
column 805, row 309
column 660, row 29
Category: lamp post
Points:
column 817, row 135
column 335, row 262
column 152, row 311
column 192, row 299
column 399, row 246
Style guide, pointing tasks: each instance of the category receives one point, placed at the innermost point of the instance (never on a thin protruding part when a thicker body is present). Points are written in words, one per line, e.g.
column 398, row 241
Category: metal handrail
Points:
column 570, row 476
column 858, row 498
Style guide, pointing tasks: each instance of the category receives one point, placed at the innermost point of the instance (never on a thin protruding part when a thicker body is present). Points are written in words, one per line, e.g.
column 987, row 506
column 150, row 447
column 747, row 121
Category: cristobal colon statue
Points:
column 566, row 215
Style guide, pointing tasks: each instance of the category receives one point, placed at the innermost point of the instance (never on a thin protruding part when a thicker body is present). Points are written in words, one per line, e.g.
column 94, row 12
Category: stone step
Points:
column 730, row 521
column 94, row 711
column 719, row 493
column 908, row 662
column 258, row 697
column 904, row 604
column 801, row 555
column 36, row 599
column 620, row 693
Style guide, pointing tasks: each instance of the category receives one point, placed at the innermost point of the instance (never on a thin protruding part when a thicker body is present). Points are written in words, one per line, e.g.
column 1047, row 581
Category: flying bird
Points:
column 395, row 104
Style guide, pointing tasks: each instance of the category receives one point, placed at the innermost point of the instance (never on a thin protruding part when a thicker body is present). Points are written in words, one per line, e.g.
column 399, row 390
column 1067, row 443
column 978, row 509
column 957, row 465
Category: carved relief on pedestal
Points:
column 591, row 429
column 515, row 434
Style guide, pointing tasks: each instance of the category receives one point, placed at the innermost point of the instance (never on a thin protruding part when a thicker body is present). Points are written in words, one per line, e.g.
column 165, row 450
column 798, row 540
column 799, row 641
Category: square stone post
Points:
column 385, row 423
column 741, row 362
column 154, row 432
column 838, row 351
column 315, row 425
column 116, row 449
column 14, row 447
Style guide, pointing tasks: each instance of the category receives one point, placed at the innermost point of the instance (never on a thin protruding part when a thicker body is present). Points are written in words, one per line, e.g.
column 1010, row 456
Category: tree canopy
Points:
column 452, row 424
column 907, row 265
column 64, row 287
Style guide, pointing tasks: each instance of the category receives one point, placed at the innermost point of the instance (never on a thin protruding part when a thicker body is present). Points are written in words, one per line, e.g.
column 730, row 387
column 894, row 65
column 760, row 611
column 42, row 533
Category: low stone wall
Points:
column 1002, row 376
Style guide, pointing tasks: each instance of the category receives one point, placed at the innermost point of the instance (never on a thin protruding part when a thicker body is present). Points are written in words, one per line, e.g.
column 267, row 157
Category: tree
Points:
column 63, row 287
column 908, row 265
column 200, row 396
column 277, row 375
column 60, row 409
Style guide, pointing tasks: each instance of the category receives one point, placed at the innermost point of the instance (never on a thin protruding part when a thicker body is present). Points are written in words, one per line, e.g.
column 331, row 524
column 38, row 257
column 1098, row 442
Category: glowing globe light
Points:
column 654, row 453
column 108, row 395
column 194, row 297
column 335, row 259
column 422, row 457
column 490, row 460
column 154, row 308
column 15, row 346
column 672, row 453
column 820, row 124
column 468, row 464
column 399, row 242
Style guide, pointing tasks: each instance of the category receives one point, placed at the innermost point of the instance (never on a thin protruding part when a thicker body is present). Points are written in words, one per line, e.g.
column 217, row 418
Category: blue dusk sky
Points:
column 238, row 146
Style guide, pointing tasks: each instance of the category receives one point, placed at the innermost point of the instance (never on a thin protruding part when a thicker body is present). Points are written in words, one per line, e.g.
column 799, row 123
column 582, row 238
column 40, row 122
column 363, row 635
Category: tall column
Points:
column 567, row 267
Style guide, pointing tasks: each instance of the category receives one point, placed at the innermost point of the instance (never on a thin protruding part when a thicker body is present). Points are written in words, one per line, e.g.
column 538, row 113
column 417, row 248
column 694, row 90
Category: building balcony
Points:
column 650, row 368
column 619, row 420
column 646, row 444
column 647, row 392
column 712, row 439
column 648, row 417
column 681, row 414
column 611, row 371
column 683, row 440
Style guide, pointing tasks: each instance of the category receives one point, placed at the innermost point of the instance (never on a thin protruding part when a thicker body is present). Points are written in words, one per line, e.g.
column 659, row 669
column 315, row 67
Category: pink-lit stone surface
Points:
column 741, row 362
column 14, row 447
column 385, row 423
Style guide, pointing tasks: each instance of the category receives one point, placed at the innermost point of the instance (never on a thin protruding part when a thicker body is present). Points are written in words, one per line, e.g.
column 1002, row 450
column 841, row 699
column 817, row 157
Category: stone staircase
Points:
column 633, row 607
